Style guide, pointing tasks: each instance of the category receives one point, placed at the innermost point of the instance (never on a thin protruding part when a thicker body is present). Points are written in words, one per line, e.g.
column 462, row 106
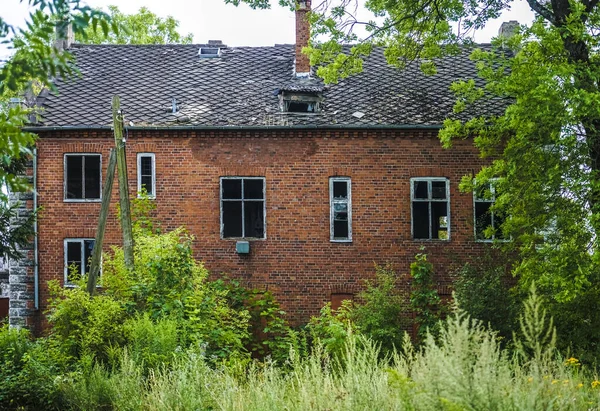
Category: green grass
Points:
column 465, row 369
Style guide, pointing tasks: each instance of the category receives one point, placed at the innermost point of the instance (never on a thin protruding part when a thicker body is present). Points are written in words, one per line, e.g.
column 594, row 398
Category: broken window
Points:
column 487, row 221
column 78, row 257
column 296, row 102
column 146, row 178
column 340, row 202
column 83, row 173
column 242, row 207
column 430, row 198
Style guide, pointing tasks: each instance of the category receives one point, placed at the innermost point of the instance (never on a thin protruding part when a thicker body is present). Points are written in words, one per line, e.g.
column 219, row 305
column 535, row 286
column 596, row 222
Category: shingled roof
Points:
column 241, row 89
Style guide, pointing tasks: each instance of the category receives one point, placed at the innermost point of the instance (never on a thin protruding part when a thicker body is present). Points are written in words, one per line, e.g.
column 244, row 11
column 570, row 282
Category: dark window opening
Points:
column 83, row 176
column 77, row 259
column 301, row 107
column 487, row 221
column 430, row 209
column 243, row 207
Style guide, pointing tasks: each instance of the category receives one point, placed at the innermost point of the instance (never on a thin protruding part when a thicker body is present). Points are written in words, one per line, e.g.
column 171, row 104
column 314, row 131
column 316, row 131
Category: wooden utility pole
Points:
column 123, row 186
column 106, row 195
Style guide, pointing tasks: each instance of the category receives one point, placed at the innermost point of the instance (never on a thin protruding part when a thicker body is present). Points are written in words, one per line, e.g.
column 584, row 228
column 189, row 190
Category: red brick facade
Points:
column 297, row 260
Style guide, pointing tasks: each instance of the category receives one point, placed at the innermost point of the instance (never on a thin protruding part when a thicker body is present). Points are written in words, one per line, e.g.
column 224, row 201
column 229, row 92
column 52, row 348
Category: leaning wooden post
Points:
column 106, row 195
column 123, row 186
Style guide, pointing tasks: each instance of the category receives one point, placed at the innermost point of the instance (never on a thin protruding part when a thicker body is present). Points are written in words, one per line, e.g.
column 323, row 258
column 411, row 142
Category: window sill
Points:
column 340, row 241
column 82, row 200
column 243, row 239
column 431, row 240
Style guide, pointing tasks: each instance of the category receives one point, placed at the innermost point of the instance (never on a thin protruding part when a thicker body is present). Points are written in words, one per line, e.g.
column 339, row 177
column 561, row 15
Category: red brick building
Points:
column 286, row 183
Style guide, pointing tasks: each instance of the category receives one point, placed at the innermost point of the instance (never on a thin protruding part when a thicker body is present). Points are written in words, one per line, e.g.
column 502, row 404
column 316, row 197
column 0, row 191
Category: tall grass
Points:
column 463, row 369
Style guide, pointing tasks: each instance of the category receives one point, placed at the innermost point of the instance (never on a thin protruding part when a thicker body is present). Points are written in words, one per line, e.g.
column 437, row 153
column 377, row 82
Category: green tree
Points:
column 144, row 27
column 35, row 62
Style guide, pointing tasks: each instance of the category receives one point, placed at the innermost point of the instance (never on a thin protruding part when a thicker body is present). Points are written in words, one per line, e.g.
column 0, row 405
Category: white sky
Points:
column 235, row 26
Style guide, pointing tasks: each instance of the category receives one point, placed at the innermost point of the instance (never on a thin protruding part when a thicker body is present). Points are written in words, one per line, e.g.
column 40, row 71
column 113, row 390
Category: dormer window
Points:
column 294, row 102
column 209, row 52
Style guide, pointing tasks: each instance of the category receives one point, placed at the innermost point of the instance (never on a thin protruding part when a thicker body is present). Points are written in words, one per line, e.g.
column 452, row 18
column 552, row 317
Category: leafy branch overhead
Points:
column 33, row 65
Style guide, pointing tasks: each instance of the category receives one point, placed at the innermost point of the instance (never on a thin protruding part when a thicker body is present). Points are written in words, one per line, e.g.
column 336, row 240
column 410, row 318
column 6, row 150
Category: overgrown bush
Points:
column 483, row 289
column 332, row 328
column 268, row 333
column 424, row 299
column 82, row 324
column 382, row 310
column 28, row 371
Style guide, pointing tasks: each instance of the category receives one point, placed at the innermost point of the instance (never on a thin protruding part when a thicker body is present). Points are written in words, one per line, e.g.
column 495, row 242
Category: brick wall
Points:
column 296, row 261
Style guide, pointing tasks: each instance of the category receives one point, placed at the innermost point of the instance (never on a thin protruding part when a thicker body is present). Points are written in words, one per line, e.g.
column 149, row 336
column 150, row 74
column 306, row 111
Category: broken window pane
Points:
column 74, row 176
column 420, row 215
column 486, row 220
column 73, row 261
column 430, row 219
column 340, row 189
column 301, row 107
column 439, row 221
column 92, row 177
column 232, row 188
column 254, row 221
column 88, row 247
column 420, row 190
column 438, row 190
column 253, row 189
column 483, row 218
column 232, row 219
column 340, row 209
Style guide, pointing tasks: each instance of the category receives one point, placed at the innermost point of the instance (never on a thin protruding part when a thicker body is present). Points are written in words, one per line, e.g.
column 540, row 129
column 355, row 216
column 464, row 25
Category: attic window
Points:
column 295, row 102
column 301, row 107
column 209, row 52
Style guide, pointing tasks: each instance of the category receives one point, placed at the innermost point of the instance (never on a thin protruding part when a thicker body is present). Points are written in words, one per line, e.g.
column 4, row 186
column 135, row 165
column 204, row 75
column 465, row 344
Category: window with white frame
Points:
column 487, row 221
column 146, row 175
column 340, row 203
column 83, row 177
column 243, row 207
column 430, row 207
column 78, row 257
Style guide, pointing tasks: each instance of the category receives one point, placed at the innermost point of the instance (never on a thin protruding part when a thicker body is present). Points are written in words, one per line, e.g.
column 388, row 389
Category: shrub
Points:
column 269, row 333
column 152, row 344
column 28, row 370
column 84, row 325
column 332, row 328
column 483, row 290
column 381, row 313
column 424, row 299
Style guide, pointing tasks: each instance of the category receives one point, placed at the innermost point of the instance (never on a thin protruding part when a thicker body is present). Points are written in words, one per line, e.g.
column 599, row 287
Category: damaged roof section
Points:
column 172, row 85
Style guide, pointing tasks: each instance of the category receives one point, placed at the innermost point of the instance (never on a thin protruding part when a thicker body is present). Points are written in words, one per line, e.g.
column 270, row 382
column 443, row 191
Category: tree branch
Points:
column 542, row 11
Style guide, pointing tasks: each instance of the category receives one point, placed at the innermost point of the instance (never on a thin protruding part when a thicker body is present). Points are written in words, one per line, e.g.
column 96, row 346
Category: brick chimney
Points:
column 302, row 66
column 64, row 35
column 508, row 29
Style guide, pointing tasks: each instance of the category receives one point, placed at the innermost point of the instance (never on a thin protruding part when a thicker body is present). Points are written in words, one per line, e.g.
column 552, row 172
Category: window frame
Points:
column 492, row 183
column 139, row 174
column 332, row 202
column 81, row 240
column 264, row 201
column 80, row 200
column 430, row 200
